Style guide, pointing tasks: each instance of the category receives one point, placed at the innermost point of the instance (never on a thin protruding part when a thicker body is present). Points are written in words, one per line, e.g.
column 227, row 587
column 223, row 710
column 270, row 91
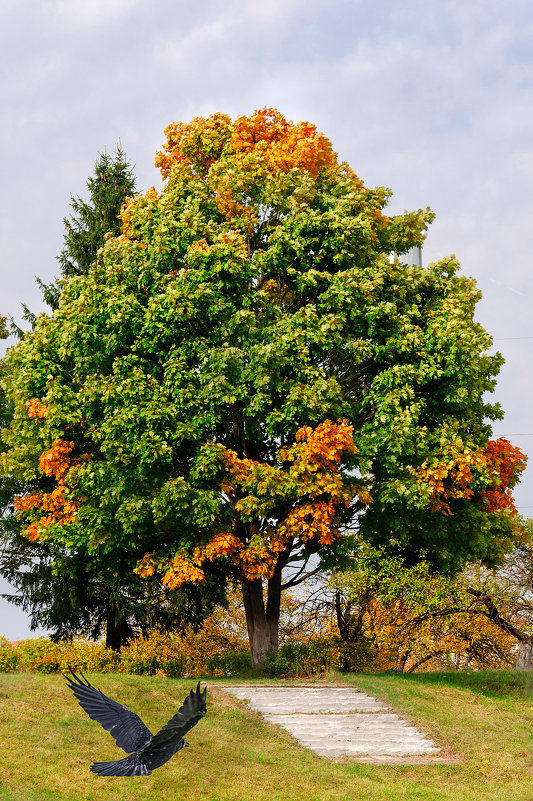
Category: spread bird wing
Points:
column 166, row 742
column 125, row 726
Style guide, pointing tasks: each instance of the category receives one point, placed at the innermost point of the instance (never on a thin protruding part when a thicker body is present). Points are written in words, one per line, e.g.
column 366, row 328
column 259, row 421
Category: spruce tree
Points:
column 111, row 183
column 109, row 186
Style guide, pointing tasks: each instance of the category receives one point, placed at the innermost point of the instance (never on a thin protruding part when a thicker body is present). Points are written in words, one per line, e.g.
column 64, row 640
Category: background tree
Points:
column 481, row 617
column 62, row 589
column 505, row 596
column 110, row 185
column 9, row 485
column 246, row 376
column 71, row 601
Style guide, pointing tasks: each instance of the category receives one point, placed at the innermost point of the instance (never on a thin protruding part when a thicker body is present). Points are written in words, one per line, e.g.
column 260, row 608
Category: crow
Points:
column 149, row 751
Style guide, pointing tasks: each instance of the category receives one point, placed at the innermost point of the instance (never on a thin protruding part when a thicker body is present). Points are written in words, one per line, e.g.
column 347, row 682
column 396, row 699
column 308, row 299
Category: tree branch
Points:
column 495, row 617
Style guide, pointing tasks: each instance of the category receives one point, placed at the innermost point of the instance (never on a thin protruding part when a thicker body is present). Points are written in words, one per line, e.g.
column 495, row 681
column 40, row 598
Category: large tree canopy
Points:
column 251, row 371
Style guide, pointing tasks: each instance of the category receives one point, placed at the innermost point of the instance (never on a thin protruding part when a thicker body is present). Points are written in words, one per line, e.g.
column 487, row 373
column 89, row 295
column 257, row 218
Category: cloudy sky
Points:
column 433, row 99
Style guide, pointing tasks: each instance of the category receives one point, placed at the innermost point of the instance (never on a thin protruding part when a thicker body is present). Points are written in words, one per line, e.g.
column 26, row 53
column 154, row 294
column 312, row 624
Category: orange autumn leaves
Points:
column 281, row 144
column 36, row 410
column 55, row 506
column 307, row 484
column 232, row 157
column 491, row 471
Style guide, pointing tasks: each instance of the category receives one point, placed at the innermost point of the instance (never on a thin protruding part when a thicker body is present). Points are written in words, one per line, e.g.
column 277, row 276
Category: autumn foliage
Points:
column 258, row 373
column 56, row 506
column 487, row 474
column 305, row 475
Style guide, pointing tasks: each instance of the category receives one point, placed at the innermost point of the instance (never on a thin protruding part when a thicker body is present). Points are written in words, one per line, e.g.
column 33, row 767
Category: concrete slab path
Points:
column 338, row 721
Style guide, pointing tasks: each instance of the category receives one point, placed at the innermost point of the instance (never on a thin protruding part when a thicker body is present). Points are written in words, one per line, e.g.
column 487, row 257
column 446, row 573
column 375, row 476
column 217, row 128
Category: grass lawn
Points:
column 47, row 744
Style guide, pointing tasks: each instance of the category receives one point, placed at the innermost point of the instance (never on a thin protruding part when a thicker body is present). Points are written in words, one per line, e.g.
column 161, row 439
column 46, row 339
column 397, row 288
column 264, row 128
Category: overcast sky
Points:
column 433, row 100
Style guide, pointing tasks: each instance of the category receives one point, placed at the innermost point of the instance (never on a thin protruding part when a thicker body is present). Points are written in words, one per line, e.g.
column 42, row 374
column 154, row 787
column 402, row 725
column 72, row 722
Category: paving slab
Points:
column 338, row 721
column 306, row 699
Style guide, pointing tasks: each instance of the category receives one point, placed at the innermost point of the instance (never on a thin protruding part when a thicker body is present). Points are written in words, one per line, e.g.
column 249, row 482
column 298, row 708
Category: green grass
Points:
column 485, row 720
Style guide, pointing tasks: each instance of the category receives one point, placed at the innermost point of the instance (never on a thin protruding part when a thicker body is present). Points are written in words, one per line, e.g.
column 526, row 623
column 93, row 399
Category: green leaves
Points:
column 256, row 294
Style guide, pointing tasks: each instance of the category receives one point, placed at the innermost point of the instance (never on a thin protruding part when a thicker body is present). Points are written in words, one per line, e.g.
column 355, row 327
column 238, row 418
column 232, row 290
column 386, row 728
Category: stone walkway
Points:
column 339, row 721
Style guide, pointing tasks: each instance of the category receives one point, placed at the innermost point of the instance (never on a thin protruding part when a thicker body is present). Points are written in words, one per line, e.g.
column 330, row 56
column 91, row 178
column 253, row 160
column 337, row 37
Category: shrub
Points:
column 320, row 655
column 155, row 653
column 44, row 656
column 9, row 655
column 229, row 663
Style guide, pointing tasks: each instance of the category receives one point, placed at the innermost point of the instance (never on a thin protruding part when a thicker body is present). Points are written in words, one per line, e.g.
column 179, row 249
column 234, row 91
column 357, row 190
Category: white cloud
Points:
column 73, row 15
column 184, row 54
column 224, row 38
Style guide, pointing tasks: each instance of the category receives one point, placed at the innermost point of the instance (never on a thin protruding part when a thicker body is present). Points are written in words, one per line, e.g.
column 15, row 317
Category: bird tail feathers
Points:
column 129, row 766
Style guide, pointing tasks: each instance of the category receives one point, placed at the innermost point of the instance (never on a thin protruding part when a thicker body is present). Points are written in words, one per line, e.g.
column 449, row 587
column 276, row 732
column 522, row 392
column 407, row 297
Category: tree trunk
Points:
column 262, row 623
column 117, row 631
column 525, row 654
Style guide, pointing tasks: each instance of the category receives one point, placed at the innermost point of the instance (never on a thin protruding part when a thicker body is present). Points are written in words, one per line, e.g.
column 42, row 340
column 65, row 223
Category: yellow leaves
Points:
column 363, row 494
column 461, row 471
column 234, row 157
column 36, row 410
column 279, row 143
column 302, row 497
column 221, row 545
column 57, row 508
column 451, row 476
column 311, row 521
column 276, row 292
column 238, row 470
column 146, row 566
column 322, row 447
column 196, row 144
column 181, row 569
column 310, row 468
column 200, row 246
column 24, row 502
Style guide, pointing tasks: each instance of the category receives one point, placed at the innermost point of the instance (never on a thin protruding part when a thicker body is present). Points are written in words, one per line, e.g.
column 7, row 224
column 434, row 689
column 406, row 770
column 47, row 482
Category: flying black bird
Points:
column 149, row 751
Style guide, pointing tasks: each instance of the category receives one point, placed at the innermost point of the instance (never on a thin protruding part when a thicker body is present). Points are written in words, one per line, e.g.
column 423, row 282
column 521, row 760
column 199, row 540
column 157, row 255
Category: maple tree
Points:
column 248, row 373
